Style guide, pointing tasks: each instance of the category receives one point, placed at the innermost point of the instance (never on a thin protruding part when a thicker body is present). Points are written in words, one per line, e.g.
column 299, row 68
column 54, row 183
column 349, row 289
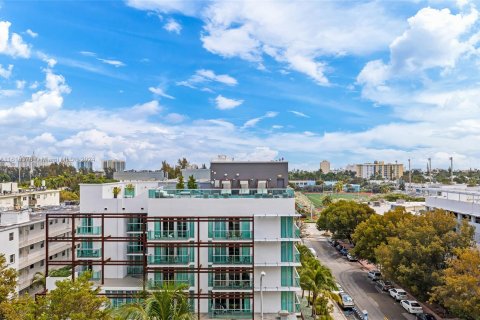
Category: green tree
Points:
column 318, row 280
column 417, row 255
column 39, row 280
column 66, row 195
column 180, row 183
column 21, row 308
column 327, row 200
column 376, row 230
column 338, row 187
column 168, row 303
column 342, row 217
column 8, row 280
column 192, row 183
column 459, row 290
column 75, row 300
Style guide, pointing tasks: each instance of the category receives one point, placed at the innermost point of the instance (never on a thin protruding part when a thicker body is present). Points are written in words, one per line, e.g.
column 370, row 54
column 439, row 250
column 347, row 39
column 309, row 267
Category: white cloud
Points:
column 51, row 62
column 115, row 63
column 173, row 26
column 253, row 122
column 190, row 8
column 88, row 53
column 299, row 114
column 20, row 84
column 12, row 44
column 6, row 72
column 147, row 108
column 160, row 92
column 31, row 33
column 175, row 118
column 223, row 103
column 204, row 75
column 45, row 137
column 41, row 104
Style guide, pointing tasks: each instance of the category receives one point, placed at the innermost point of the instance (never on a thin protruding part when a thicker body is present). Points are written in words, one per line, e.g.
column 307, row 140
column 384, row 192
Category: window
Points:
column 63, row 253
column 56, row 221
column 32, row 266
column 10, row 236
column 477, row 219
column 12, row 258
column 51, row 222
column 42, row 263
column 42, row 225
column 42, row 244
column 32, row 227
column 63, row 221
column 32, row 246
column 56, row 255
column 50, row 257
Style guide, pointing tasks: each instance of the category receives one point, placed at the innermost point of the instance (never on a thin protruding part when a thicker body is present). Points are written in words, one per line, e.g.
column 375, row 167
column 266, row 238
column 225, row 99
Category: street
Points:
column 354, row 281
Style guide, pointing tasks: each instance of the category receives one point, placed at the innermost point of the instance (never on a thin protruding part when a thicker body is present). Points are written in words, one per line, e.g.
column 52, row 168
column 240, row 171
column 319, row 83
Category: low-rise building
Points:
column 13, row 198
column 388, row 171
column 143, row 175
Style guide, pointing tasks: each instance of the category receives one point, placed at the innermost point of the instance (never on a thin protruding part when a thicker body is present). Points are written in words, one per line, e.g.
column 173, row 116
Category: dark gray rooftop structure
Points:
column 249, row 174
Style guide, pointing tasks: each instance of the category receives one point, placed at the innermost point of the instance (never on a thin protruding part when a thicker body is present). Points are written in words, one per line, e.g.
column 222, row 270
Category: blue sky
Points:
column 148, row 80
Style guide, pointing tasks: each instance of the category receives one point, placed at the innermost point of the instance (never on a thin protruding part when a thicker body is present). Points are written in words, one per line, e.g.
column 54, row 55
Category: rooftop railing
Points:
column 220, row 193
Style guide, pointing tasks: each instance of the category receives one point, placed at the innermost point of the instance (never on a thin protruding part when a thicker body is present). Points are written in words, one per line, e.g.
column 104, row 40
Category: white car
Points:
column 313, row 251
column 398, row 294
column 374, row 275
column 411, row 306
column 340, row 289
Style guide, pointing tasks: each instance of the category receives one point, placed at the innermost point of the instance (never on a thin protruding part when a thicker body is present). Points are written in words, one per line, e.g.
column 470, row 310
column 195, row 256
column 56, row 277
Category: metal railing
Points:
column 220, row 193
column 231, row 284
column 170, row 259
column 88, row 253
column 89, row 230
column 170, row 235
column 227, row 259
column 231, row 235
column 230, row 313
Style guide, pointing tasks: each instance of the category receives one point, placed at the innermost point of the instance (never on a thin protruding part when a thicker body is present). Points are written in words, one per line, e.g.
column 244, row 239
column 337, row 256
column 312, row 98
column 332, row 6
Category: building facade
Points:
column 116, row 165
column 216, row 242
column 464, row 204
column 13, row 198
column 144, row 175
column 388, row 171
column 85, row 165
column 22, row 235
column 325, row 166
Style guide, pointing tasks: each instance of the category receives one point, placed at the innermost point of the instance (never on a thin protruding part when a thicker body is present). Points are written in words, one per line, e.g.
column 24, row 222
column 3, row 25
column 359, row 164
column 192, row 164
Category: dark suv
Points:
column 385, row 285
column 425, row 316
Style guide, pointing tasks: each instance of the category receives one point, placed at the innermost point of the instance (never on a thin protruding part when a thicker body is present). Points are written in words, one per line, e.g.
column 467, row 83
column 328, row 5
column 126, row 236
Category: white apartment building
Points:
column 216, row 242
column 388, row 171
column 13, row 198
column 464, row 203
column 22, row 235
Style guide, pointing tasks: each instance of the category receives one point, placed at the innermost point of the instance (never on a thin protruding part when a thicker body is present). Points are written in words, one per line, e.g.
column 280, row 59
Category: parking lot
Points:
column 353, row 279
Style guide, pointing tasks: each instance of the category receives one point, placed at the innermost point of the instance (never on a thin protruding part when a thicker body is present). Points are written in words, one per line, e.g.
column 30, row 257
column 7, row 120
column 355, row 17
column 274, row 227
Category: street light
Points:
column 262, row 274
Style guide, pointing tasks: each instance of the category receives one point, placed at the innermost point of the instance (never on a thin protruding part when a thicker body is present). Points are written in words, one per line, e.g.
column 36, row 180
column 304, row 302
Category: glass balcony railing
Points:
column 134, row 270
column 158, row 284
column 134, row 249
column 231, row 284
column 296, row 278
column 88, row 253
column 296, row 255
column 220, row 193
column 297, row 231
column 96, row 275
column 297, row 304
column 134, row 227
column 89, row 230
column 170, row 235
column 231, row 235
column 168, row 259
column 230, row 313
column 225, row 259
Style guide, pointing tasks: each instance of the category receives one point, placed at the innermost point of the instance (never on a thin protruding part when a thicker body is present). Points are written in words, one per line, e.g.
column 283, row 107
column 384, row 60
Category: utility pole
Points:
column 409, row 174
column 451, row 169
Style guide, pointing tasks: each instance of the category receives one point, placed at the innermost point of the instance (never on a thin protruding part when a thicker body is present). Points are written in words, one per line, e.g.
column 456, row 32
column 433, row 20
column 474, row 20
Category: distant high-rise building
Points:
column 325, row 166
column 85, row 165
column 388, row 171
column 116, row 165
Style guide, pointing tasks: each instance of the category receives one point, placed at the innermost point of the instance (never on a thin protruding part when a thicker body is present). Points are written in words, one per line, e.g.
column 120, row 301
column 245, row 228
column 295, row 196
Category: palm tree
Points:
column 39, row 280
column 318, row 280
column 167, row 303
column 326, row 201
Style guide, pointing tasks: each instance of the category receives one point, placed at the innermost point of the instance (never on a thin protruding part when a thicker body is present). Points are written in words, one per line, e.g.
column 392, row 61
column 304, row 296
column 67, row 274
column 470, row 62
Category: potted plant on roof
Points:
column 116, row 191
column 129, row 191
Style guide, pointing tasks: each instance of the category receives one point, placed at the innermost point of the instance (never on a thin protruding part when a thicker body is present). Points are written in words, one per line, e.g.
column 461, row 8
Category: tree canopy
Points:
column 8, row 280
column 192, row 183
column 342, row 217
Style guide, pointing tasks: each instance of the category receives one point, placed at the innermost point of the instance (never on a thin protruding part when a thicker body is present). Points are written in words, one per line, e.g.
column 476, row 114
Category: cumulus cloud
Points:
column 160, row 92
column 223, row 103
column 31, row 33
column 205, row 76
column 299, row 114
column 175, row 117
column 115, row 63
column 41, row 103
column 6, row 72
column 11, row 43
column 173, row 26
column 147, row 108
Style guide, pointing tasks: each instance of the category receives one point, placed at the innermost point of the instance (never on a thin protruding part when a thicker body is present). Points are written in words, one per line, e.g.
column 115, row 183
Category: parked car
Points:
column 339, row 289
column 425, row 316
column 351, row 257
column 346, row 301
column 374, row 275
column 313, row 251
column 398, row 294
column 411, row 306
column 384, row 285
column 339, row 247
column 344, row 252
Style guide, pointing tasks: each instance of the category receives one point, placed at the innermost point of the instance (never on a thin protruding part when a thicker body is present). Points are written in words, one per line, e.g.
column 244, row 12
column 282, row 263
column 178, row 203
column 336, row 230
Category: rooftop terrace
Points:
column 220, row 193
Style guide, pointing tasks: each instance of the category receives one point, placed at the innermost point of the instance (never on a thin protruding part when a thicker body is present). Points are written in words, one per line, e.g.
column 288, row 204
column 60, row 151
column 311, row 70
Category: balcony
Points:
column 231, row 284
column 220, row 193
column 297, row 231
column 296, row 255
column 134, row 270
column 135, row 227
column 231, row 235
column 226, row 259
column 96, row 275
column 88, row 253
column 135, row 249
column 89, row 231
column 158, row 284
column 230, row 313
column 171, row 235
column 170, row 259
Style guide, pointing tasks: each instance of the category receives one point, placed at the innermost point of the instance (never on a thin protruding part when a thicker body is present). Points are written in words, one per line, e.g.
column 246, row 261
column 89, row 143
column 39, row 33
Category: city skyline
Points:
column 150, row 80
